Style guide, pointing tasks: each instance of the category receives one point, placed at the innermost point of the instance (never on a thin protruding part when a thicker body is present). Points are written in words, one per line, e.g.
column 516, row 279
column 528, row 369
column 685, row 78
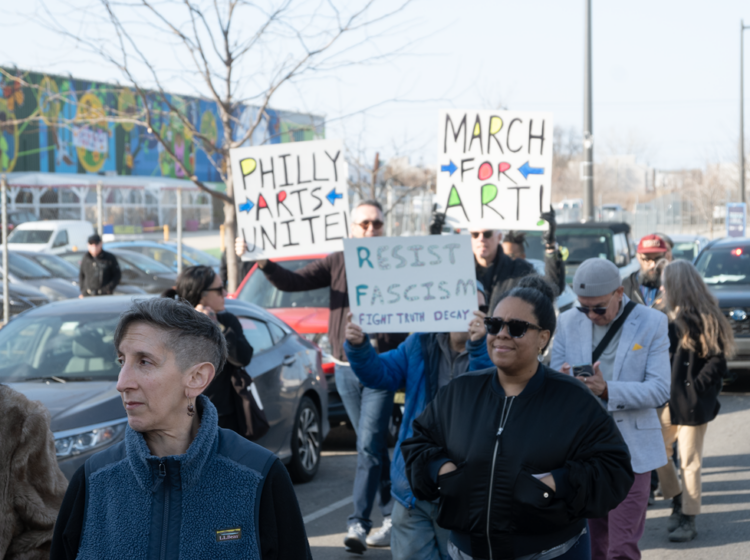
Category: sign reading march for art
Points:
column 494, row 168
column 291, row 199
column 407, row 284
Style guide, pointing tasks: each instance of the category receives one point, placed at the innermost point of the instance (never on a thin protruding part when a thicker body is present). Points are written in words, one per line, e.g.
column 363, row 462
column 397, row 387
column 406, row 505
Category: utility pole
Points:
column 587, row 166
column 742, row 109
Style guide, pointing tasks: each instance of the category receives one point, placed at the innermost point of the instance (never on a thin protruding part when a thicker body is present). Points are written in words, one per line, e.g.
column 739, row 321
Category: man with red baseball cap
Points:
column 644, row 285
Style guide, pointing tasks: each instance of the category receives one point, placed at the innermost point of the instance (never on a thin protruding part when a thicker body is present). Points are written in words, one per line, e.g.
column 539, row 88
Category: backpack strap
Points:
column 616, row 326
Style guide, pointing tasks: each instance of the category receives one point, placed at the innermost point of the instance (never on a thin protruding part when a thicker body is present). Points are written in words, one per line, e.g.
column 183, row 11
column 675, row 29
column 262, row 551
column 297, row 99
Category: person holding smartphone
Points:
column 626, row 346
column 518, row 455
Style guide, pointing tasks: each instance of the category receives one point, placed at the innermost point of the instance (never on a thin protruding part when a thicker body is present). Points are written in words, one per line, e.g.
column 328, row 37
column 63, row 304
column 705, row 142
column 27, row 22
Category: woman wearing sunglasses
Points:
column 518, row 455
column 202, row 288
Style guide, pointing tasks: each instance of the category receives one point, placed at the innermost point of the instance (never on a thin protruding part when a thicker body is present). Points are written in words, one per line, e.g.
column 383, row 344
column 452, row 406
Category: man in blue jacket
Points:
column 423, row 363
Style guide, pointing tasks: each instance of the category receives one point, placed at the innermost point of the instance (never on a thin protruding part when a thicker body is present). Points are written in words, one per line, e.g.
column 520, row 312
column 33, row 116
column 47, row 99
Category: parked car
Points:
column 63, row 355
column 605, row 240
column 166, row 253
column 24, row 271
column 139, row 273
column 51, row 236
column 724, row 265
column 19, row 217
column 307, row 313
column 22, row 298
column 687, row 247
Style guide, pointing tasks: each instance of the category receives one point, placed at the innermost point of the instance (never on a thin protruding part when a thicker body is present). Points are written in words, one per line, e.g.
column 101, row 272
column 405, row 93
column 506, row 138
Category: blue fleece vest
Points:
column 203, row 504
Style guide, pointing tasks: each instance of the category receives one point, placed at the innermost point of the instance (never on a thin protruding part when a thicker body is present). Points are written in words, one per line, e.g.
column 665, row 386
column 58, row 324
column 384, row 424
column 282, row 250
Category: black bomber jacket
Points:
column 492, row 504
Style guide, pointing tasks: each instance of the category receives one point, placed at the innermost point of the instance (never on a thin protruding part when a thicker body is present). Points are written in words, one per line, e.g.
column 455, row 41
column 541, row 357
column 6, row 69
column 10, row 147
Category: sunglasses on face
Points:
column 485, row 234
column 653, row 259
column 516, row 327
column 220, row 290
column 365, row 224
column 597, row 310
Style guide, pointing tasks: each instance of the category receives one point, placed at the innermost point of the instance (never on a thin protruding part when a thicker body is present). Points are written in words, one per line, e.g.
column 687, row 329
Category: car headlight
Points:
column 74, row 442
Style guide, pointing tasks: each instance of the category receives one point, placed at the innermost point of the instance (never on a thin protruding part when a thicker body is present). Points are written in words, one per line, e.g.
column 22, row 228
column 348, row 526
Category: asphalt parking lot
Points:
column 723, row 526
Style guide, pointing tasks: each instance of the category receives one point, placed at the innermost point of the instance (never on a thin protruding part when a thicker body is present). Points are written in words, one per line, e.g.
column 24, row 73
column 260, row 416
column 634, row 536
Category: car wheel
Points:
column 305, row 442
column 394, row 425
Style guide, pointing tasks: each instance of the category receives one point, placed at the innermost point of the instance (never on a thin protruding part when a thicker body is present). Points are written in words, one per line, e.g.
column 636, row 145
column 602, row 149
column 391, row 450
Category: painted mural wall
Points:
column 70, row 130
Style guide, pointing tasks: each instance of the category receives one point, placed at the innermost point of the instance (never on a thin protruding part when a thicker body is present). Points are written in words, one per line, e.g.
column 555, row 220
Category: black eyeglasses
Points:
column 485, row 234
column 365, row 224
column 598, row 310
column 219, row 290
column 484, row 308
column 516, row 327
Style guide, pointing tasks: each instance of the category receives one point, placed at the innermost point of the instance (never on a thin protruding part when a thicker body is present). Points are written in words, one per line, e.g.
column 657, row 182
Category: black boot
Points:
column 674, row 520
column 686, row 531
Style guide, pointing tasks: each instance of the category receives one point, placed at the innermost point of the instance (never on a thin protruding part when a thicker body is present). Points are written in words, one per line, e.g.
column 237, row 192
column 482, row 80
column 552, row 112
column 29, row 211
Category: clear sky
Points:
column 666, row 73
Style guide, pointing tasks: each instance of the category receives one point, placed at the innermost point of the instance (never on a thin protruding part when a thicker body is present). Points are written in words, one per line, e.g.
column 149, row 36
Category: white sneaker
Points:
column 381, row 537
column 355, row 539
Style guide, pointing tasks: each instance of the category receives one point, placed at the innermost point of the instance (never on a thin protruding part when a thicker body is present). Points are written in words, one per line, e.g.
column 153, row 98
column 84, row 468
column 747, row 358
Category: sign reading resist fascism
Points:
column 494, row 168
column 291, row 199
column 407, row 284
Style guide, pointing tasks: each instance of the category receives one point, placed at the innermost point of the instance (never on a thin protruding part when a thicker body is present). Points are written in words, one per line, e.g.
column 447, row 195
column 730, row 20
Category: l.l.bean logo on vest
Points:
column 229, row 535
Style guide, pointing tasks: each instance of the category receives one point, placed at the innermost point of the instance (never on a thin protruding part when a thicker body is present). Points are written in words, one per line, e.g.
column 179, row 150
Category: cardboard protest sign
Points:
column 291, row 199
column 494, row 168
column 408, row 284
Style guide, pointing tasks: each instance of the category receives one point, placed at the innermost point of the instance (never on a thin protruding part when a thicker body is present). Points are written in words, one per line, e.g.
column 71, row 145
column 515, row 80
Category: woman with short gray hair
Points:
column 178, row 486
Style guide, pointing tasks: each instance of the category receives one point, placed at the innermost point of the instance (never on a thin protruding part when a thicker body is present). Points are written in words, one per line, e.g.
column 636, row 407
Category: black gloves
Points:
column 549, row 235
column 438, row 221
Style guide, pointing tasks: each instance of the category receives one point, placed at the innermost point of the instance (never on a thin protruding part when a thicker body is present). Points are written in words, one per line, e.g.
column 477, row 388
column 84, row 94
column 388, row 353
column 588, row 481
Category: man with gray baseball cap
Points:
column 619, row 350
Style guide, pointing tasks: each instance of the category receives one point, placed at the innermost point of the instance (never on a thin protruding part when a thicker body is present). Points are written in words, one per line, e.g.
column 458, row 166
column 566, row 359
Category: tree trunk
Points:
column 230, row 233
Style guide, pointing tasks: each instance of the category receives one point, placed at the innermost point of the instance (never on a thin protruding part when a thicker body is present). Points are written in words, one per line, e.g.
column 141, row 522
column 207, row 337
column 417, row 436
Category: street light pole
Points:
column 587, row 166
column 742, row 109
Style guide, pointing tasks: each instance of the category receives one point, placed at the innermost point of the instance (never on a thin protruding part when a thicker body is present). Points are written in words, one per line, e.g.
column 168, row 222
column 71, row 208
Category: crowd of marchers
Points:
column 498, row 455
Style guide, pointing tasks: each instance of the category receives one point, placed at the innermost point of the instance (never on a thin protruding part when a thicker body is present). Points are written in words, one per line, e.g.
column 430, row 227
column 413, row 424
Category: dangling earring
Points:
column 191, row 408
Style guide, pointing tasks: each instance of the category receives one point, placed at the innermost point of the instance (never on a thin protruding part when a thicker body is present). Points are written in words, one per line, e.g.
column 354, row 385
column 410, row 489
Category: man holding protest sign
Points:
column 494, row 173
column 423, row 363
column 369, row 410
column 500, row 272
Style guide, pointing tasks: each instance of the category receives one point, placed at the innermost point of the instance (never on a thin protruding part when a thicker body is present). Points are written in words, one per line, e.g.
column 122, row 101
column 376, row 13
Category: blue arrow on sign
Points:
column 450, row 168
column 333, row 195
column 246, row 206
column 525, row 170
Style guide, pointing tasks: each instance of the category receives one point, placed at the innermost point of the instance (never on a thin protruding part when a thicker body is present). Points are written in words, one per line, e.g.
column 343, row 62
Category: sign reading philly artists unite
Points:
column 291, row 199
column 408, row 284
column 494, row 168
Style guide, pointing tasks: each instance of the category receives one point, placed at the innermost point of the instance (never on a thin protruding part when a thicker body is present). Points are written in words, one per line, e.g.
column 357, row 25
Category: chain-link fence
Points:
column 672, row 214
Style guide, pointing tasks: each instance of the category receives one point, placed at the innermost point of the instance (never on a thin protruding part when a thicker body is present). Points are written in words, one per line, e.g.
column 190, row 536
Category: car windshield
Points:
column 725, row 266
column 261, row 292
column 58, row 267
column 200, row 257
column 26, row 269
column 70, row 346
column 30, row 236
column 143, row 263
column 687, row 251
column 581, row 244
column 165, row 255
